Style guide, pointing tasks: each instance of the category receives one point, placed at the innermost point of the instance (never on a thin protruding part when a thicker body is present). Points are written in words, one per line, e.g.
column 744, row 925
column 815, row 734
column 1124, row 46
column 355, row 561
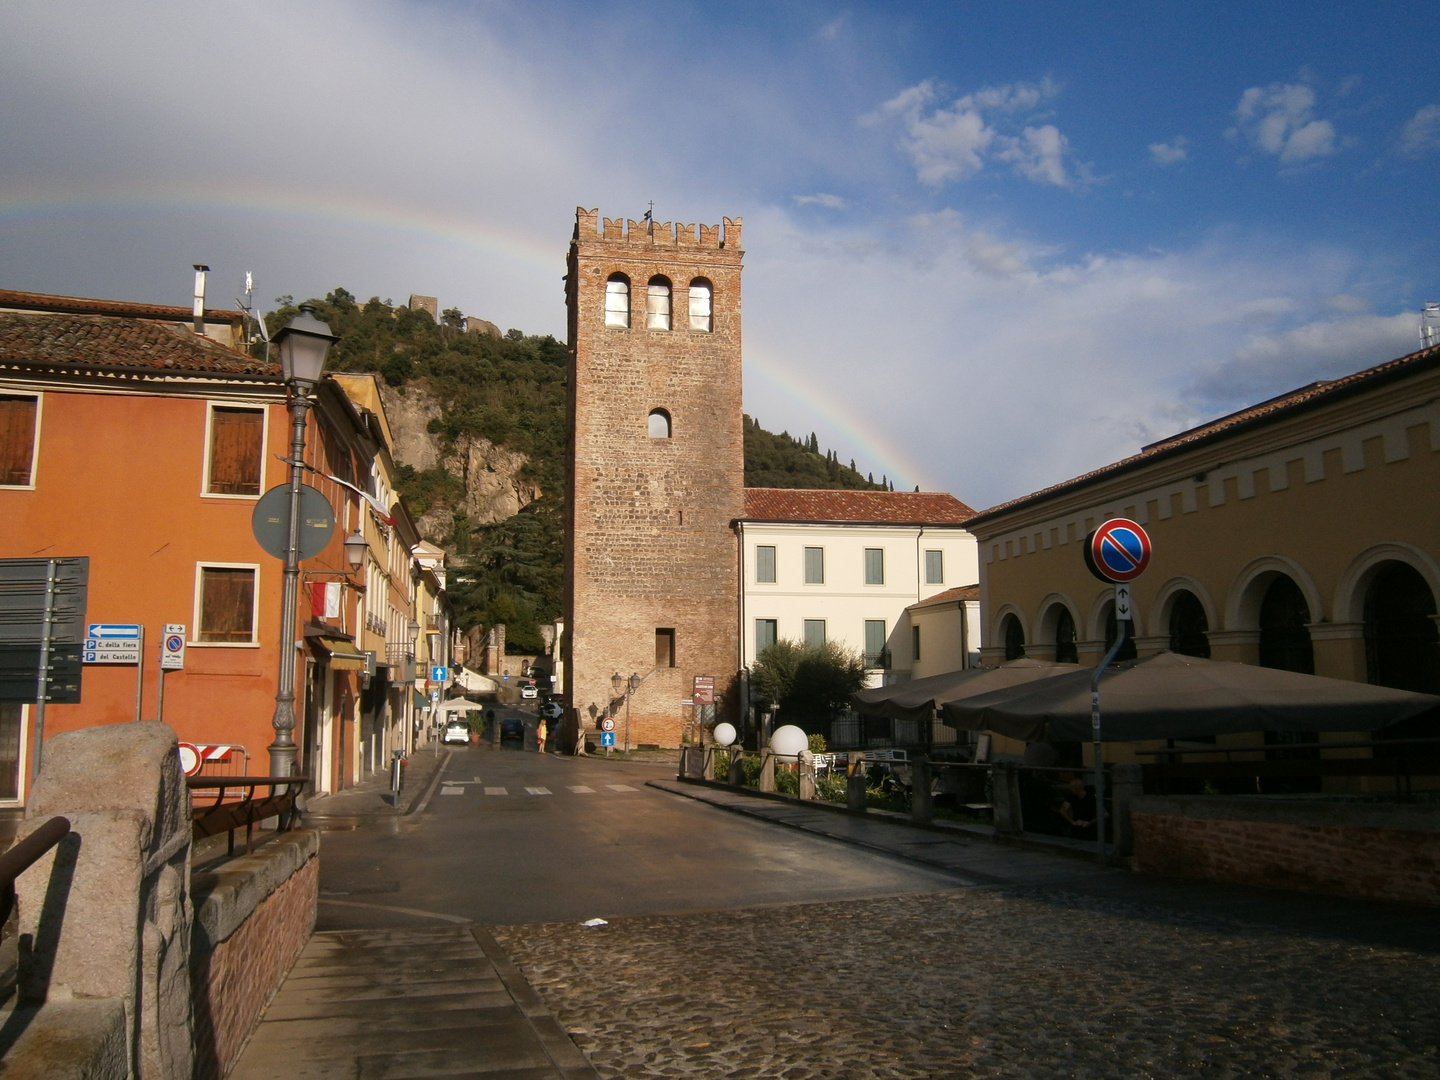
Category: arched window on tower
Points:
column 657, row 304
column 1014, row 635
column 1284, row 635
column 701, row 317
column 659, row 424
column 617, row 301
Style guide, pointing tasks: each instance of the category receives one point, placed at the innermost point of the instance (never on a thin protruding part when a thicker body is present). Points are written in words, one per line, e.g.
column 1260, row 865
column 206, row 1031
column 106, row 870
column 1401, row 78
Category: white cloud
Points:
column 1347, row 303
column 1170, row 153
column 820, row 198
column 1421, row 134
column 1279, row 120
column 953, row 142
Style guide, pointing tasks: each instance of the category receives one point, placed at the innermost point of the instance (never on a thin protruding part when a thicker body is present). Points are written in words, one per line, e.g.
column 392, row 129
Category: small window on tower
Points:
column 659, row 424
column 700, row 314
column 617, row 301
column 657, row 304
column 665, row 647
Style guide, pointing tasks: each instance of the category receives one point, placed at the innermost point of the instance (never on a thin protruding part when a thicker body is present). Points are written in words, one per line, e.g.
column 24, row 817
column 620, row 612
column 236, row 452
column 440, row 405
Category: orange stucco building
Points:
column 135, row 441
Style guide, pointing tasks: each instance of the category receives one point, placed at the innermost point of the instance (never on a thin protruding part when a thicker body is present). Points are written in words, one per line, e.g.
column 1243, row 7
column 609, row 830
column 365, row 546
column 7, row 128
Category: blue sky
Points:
column 989, row 246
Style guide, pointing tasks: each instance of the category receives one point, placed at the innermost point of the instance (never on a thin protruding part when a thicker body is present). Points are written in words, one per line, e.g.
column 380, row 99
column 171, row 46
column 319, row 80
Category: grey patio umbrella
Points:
column 917, row 700
column 1169, row 696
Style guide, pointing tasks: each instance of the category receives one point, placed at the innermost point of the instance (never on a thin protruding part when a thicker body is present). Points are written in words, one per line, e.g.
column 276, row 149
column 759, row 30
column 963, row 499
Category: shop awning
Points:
column 1168, row 696
column 339, row 652
column 421, row 701
column 919, row 698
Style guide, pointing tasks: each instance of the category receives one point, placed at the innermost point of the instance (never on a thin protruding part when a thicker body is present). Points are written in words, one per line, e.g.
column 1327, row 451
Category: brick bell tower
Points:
column 657, row 469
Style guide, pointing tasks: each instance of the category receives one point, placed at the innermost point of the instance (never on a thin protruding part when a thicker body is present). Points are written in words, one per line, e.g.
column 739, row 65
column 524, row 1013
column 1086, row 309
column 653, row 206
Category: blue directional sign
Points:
column 607, row 738
column 439, row 673
column 112, row 643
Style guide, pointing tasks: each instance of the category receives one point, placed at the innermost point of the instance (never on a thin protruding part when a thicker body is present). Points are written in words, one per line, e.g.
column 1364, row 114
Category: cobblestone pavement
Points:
column 981, row 983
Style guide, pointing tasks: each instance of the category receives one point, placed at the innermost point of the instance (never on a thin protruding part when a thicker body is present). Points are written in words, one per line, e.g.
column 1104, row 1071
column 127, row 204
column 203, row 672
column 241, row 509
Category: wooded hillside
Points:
column 509, row 390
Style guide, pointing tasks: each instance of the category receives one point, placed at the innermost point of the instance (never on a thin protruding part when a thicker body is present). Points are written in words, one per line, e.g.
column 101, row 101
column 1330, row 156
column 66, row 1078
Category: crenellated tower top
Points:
column 641, row 234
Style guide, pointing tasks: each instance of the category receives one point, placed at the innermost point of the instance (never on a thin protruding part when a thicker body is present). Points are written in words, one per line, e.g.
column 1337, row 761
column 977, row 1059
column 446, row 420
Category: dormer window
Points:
column 700, row 314
column 617, row 302
column 659, row 424
column 657, row 304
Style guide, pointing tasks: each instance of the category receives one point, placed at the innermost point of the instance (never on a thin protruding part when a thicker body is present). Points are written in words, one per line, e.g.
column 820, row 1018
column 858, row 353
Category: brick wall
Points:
column 234, row 981
column 649, row 538
column 1377, row 863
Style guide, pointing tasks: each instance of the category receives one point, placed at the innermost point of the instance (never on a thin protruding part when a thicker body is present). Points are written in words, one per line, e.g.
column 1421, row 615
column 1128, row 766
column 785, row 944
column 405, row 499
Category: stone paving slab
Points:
column 378, row 1005
column 979, row 861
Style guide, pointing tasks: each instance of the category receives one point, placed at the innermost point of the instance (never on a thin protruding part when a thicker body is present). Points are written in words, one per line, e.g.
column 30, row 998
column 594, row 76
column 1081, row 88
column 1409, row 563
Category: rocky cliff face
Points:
column 490, row 474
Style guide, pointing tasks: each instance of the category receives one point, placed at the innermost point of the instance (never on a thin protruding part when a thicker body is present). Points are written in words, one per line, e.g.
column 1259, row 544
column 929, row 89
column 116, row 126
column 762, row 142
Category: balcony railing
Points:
column 877, row 660
column 375, row 624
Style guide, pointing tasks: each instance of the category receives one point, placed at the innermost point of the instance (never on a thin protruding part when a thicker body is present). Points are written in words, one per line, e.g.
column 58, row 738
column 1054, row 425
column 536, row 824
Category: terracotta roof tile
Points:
column 960, row 592
column 869, row 507
column 1310, row 396
column 100, row 341
column 84, row 305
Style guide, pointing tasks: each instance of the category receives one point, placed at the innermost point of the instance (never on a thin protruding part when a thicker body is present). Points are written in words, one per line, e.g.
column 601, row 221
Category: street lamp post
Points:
column 303, row 343
column 628, row 687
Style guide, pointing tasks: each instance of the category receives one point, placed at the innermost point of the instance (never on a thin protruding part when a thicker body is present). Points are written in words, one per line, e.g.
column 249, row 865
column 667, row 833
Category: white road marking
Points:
column 539, row 791
column 496, row 791
column 621, row 787
column 452, row 791
column 581, row 789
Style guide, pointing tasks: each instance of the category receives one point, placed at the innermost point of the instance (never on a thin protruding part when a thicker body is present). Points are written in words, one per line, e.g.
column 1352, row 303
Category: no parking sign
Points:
column 172, row 647
column 1118, row 551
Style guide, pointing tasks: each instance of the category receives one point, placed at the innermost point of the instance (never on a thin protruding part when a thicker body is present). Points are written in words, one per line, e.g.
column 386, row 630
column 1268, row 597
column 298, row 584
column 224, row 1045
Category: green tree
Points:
column 810, row 684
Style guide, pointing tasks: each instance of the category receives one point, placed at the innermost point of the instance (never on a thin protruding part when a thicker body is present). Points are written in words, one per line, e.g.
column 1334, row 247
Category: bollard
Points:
column 1126, row 782
column 767, row 769
column 737, row 770
column 920, row 794
column 855, row 792
column 807, row 775
column 1006, row 782
column 708, row 771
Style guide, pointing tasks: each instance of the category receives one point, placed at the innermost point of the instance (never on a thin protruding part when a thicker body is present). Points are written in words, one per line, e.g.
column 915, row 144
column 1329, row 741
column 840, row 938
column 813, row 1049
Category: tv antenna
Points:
column 1430, row 324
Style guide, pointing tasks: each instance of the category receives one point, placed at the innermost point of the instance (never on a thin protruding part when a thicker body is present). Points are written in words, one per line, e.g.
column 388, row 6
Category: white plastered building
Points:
column 844, row 566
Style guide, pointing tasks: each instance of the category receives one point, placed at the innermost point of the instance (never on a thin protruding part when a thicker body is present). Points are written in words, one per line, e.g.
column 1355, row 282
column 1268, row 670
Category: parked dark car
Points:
column 512, row 727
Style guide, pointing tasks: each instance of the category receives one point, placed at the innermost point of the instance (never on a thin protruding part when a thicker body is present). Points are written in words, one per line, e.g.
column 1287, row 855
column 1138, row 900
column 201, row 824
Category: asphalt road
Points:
column 519, row 837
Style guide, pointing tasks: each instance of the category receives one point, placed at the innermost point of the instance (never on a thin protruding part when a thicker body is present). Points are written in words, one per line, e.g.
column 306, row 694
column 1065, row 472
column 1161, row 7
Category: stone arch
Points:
column 1094, row 626
column 999, row 629
column 1167, row 594
column 1051, row 610
column 1242, row 606
column 1355, row 581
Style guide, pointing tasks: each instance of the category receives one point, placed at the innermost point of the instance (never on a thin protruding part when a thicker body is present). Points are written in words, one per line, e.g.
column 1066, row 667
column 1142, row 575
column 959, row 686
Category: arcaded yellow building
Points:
column 1302, row 533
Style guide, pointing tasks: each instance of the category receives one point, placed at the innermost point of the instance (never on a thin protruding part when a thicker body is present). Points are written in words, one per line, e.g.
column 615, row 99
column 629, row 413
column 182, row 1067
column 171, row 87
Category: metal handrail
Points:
column 227, row 816
column 24, row 855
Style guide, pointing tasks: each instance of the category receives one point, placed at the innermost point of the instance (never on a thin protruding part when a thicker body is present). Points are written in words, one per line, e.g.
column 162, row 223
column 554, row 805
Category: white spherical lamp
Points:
column 724, row 734
column 789, row 740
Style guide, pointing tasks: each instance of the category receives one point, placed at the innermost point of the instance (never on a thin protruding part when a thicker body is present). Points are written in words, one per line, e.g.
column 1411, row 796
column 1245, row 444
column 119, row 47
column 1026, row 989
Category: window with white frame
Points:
column 934, row 568
column 767, row 632
column 235, row 457
column 225, row 603
column 659, row 427
column 19, row 416
column 617, row 302
column 657, row 304
column 765, row 564
column 701, row 318
column 874, row 566
column 814, row 633
column 814, row 566
column 875, row 654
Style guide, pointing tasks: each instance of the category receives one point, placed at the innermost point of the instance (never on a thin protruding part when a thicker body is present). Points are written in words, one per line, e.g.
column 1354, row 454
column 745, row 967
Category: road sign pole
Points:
column 140, row 673
column 160, row 698
column 44, row 686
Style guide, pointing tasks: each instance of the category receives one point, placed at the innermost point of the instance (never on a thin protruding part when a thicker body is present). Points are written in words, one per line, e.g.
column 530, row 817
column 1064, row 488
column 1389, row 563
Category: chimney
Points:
column 199, row 308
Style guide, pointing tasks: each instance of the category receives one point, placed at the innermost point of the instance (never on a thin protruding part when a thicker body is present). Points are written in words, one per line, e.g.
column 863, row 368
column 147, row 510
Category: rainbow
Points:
column 869, row 444
column 450, row 229
column 482, row 238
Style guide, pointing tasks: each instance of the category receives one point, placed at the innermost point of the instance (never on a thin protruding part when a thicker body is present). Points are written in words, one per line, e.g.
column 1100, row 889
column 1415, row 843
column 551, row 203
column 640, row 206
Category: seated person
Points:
column 1077, row 808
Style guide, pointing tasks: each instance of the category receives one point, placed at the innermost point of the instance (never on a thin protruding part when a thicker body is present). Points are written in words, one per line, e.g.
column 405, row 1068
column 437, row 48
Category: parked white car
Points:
column 456, row 731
